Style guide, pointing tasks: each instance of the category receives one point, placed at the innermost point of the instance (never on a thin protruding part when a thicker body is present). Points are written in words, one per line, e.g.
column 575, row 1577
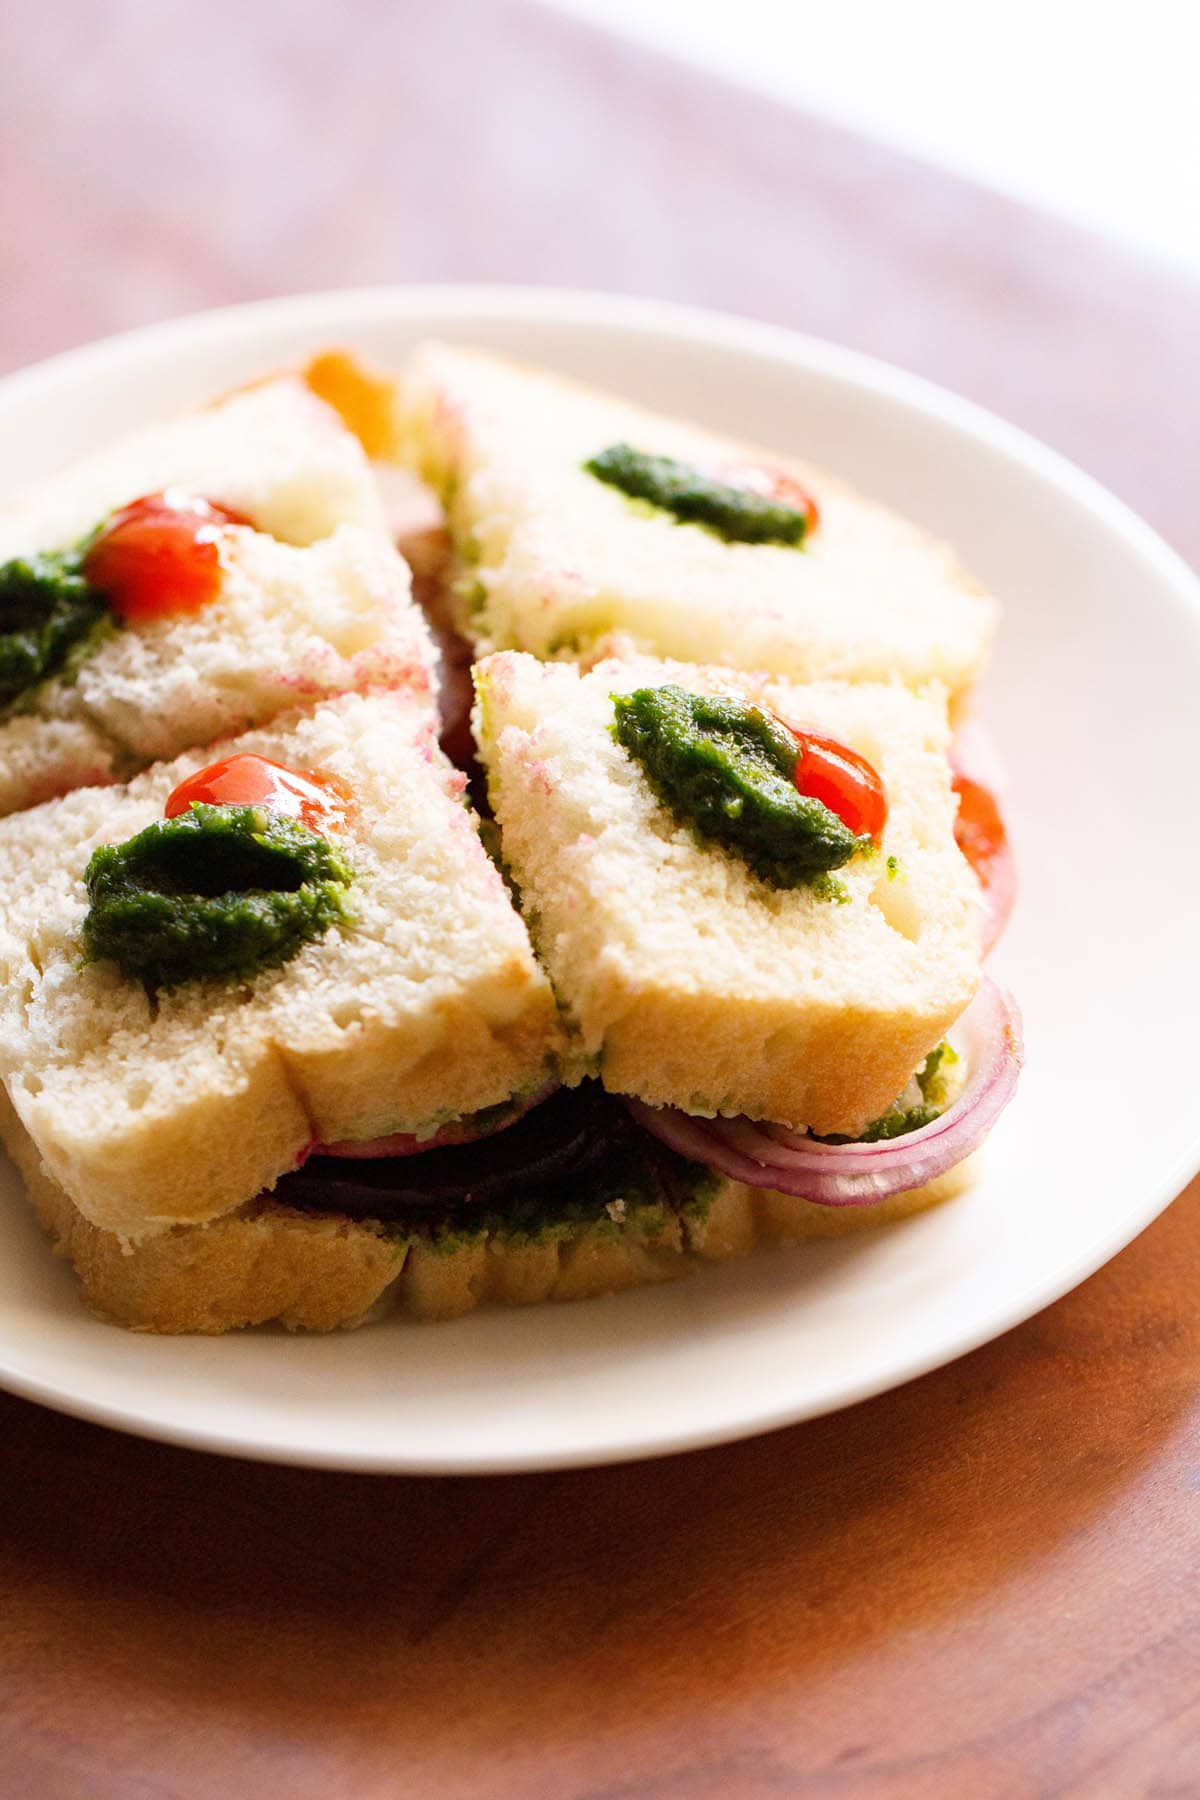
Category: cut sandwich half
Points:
column 208, row 973
column 720, row 961
column 277, row 627
column 576, row 515
column 369, row 1121
column 751, row 903
column 159, row 595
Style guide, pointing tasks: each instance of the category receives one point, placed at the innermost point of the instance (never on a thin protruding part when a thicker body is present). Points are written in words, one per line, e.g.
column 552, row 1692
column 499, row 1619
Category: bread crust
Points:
column 262, row 1265
column 314, row 1272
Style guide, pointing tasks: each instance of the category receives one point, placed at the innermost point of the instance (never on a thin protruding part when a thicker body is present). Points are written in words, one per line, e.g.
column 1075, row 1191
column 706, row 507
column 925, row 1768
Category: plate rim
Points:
column 360, row 307
column 634, row 314
column 679, row 1443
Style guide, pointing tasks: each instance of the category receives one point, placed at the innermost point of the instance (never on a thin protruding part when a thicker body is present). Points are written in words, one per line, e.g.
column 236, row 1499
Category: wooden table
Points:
column 981, row 1584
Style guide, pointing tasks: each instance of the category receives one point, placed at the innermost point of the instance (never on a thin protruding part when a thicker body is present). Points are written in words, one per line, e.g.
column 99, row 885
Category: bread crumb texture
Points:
column 553, row 560
column 428, row 1003
column 688, row 980
column 289, row 627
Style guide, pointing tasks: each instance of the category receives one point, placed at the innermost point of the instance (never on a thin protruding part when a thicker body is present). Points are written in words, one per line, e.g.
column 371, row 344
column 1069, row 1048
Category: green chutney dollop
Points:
column 218, row 890
column 736, row 514
column 48, row 609
column 724, row 767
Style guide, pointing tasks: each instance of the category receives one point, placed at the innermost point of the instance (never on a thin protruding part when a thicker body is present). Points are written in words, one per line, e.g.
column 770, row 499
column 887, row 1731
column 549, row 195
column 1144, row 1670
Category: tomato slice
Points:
column 979, row 830
column 774, row 484
column 843, row 781
column 160, row 555
column 322, row 802
column 366, row 402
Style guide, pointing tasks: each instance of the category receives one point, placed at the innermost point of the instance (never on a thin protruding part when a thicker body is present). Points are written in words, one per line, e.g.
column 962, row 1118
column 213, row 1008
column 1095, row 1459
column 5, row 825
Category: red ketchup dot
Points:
column 160, row 555
column 776, row 485
column 842, row 780
column 322, row 802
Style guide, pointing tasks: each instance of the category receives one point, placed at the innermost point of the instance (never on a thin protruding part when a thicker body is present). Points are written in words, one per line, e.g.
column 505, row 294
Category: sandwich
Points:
column 393, row 1113
column 721, row 941
column 576, row 515
column 188, row 583
column 289, row 1032
column 214, row 973
column 752, row 903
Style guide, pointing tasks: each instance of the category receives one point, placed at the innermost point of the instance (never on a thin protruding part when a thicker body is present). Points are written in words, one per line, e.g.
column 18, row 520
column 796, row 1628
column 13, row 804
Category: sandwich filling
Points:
column 576, row 1160
column 580, row 1158
column 925, row 1099
column 914, row 1143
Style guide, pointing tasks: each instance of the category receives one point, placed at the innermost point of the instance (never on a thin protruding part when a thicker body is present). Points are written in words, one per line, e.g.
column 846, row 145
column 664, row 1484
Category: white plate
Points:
column 1095, row 697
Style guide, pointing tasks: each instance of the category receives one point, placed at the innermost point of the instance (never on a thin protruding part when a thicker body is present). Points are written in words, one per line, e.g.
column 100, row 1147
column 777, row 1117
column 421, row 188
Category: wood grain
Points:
column 981, row 1584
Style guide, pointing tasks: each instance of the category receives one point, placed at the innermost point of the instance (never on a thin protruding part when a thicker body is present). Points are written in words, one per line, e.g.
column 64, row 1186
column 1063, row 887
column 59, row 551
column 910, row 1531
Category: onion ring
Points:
column 858, row 1174
column 555, row 1145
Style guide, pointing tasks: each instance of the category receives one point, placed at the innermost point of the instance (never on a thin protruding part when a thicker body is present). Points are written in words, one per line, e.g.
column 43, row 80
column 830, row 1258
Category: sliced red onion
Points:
column 770, row 1156
column 459, row 1131
column 556, row 1150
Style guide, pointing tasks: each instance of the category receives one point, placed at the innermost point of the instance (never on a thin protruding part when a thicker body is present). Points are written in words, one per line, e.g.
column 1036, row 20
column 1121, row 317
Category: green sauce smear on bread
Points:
column 219, row 890
column 694, row 498
column 724, row 767
column 48, row 611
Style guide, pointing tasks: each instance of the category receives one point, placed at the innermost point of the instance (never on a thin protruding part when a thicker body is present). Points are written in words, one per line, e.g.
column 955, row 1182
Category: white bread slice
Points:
column 274, row 453
column 44, row 756
column 428, row 1004
column 689, row 981
column 554, row 561
column 596, row 1261
column 288, row 626
column 321, row 1272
